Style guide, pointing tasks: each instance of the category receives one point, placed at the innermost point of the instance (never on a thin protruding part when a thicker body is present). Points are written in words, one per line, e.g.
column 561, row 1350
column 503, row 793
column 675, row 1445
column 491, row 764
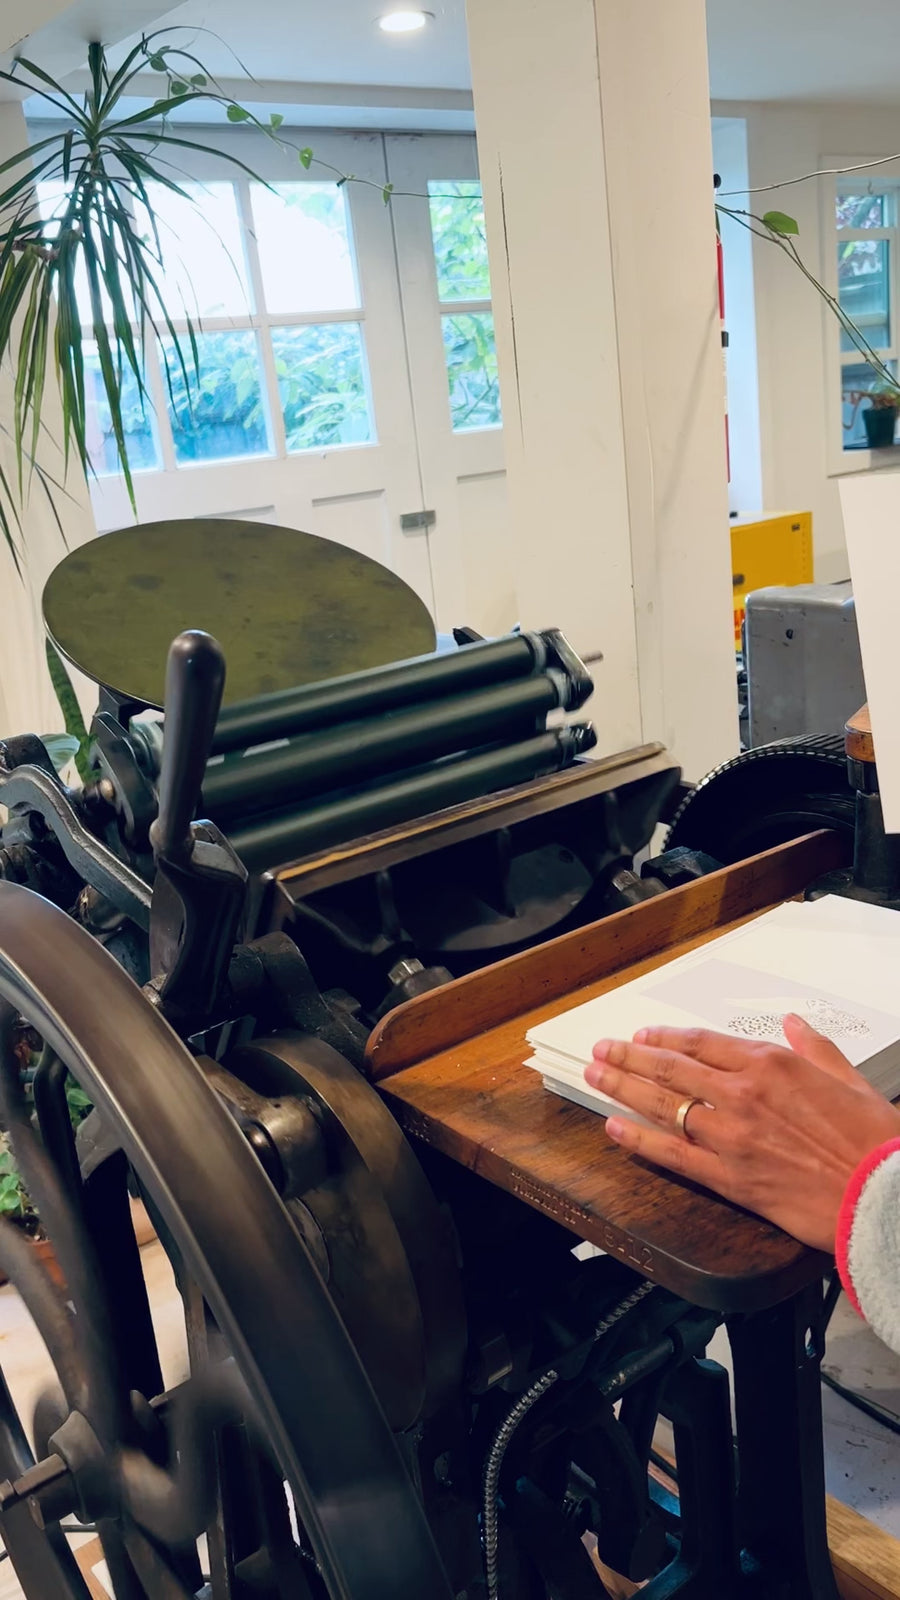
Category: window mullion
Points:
column 159, row 396
column 262, row 320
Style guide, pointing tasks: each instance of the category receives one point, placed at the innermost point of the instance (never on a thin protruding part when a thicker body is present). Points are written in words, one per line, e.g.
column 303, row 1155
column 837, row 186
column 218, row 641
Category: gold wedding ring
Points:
column 681, row 1115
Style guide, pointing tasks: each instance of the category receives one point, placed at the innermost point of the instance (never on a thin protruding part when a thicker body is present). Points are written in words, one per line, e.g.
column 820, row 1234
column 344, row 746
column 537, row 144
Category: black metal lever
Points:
column 198, row 890
column 195, row 679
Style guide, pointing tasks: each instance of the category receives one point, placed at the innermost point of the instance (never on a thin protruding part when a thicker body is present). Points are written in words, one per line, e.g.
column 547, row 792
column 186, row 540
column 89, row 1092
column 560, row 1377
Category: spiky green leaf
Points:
column 67, row 701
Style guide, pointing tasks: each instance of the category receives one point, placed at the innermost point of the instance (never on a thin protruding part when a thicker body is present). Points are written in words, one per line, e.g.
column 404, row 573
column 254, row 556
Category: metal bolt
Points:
column 406, row 968
column 107, row 790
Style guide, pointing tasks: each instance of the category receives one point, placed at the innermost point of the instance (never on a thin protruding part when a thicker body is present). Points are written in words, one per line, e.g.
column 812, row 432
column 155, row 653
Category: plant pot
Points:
column 45, row 1252
column 880, row 423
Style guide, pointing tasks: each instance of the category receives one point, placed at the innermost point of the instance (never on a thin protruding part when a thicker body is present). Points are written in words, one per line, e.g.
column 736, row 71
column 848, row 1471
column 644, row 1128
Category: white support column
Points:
column 27, row 701
column 594, row 137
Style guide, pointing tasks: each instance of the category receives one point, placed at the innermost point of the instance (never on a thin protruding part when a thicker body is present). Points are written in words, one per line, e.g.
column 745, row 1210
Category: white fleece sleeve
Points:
column 868, row 1242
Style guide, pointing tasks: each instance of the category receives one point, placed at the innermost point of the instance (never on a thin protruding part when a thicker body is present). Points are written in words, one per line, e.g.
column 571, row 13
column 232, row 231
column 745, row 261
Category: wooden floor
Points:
column 866, row 1556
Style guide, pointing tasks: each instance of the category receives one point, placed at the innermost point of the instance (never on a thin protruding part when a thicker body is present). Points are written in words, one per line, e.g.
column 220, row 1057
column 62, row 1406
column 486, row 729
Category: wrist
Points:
column 854, row 1223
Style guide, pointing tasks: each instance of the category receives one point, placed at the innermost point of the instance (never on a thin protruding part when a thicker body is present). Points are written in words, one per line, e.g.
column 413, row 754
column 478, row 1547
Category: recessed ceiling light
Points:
column 404, row 21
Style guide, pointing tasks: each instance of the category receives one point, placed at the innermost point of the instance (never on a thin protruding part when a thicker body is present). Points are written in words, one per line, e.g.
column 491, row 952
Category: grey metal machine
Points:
column 804, row 672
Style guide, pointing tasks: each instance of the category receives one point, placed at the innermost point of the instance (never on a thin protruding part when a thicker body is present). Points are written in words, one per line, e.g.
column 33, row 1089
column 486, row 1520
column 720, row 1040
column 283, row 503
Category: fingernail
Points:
column 642, row 1036
column 615, row 1127
column 595, row 1075
column 793, row 1017
column 601, row 1049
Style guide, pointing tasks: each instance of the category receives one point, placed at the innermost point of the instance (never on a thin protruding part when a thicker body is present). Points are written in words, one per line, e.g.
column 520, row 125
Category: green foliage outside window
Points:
column 322, row 385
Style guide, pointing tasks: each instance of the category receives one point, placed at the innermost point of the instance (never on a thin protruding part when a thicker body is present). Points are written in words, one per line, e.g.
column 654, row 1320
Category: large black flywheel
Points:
column 284, row 1375
column 765, row 797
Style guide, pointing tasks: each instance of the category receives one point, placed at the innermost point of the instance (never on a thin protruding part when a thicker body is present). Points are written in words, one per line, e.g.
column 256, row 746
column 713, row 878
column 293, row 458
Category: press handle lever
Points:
column 195, row 679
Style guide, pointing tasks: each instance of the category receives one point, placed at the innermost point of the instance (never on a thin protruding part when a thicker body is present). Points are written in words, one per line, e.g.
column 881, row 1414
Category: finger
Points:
column 814, row 1047
column 658, row 1105
column 721, row 1051
column 665, row 1067
column 667, row 1150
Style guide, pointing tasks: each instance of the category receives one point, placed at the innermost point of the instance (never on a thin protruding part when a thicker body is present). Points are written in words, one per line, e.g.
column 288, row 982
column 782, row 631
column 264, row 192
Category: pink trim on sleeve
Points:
column 847, row 1213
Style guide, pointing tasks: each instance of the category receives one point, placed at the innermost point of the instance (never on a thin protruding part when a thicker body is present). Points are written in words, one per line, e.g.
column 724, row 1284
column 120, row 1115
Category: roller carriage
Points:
column 404, row 1385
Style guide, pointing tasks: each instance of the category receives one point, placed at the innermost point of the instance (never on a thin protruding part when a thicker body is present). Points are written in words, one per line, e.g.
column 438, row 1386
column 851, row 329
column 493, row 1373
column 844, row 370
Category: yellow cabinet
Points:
column 776, row 548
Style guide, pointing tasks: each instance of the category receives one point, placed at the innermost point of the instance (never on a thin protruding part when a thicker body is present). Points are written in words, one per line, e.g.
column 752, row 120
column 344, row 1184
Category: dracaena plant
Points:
column 103, row 234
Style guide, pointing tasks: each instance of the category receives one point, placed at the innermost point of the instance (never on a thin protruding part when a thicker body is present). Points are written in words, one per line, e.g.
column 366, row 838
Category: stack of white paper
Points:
column 834, row 962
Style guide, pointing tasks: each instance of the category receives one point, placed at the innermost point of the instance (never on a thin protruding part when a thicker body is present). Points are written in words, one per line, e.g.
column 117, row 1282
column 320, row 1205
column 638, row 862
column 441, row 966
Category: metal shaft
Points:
column 363, row 694
column 285, row 837
column 242, row 786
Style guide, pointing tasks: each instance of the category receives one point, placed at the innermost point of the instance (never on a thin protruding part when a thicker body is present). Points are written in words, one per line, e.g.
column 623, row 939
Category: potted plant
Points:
column 103, row 156
column 16, row 1204
column 880, row 417
column 16, row 1207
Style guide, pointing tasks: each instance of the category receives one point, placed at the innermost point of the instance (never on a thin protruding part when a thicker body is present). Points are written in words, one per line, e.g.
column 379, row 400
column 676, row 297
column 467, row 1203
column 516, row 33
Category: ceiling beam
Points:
column 250, row 91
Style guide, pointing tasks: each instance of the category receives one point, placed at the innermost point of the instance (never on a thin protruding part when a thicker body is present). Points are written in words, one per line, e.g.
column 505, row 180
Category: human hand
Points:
column 778, row 1131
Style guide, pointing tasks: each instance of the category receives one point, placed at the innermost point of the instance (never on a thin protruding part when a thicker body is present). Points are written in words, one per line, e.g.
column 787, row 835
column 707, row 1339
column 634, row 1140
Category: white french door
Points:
column 348, row 381
column 445, row 288
column 288, row 286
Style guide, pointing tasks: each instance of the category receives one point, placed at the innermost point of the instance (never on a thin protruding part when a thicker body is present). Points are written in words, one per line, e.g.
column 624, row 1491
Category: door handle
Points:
column 413, row 520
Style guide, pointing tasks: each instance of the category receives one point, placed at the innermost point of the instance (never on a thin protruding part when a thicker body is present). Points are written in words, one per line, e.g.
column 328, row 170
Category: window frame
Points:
column 208, row 169
column 841, row 459
column 452, row 308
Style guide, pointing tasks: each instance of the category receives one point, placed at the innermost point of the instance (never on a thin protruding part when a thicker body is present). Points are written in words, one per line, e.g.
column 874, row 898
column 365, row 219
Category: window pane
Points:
column 322, row 384
column 303, row 236
column 864, row 290
column 460, row 243
column 140, row 435
column 472, row 370
column 865, row 210
column 856, row 381
column 225, row 416
column 203, row 273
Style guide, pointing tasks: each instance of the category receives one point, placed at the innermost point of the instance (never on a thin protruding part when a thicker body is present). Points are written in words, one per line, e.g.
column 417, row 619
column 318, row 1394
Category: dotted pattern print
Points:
column 826, row 1018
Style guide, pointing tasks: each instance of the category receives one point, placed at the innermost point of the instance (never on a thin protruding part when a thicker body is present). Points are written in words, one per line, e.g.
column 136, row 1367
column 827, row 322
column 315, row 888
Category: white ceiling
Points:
column 804, row 50
column 759, row 49
column 340, row 42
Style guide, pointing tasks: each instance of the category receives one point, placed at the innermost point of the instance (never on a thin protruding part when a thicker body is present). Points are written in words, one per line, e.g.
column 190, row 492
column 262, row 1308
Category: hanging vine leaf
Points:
column 780, row 222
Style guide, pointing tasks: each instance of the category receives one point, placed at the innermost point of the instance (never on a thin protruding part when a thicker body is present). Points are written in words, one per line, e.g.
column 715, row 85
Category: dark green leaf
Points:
column 199, row 80
column 177, row 87
column 67, row 701
column 779, row 222
column 237, row 114
column 158, row 63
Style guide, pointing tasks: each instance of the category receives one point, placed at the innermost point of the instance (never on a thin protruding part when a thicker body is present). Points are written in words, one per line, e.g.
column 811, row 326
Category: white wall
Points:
column 27, row 702
column 729, row 137
column 792, row 326
column 603, row 265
